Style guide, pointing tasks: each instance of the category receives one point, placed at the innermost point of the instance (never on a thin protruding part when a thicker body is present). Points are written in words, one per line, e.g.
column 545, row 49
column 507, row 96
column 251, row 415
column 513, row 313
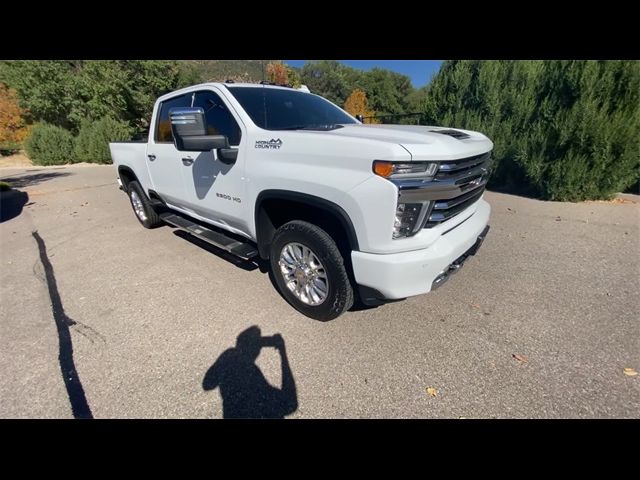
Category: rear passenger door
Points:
column 164, row 161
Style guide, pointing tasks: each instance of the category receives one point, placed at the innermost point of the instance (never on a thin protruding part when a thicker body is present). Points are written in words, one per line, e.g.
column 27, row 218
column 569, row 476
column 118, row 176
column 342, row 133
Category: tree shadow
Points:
column 30, row 179
column 245, row 391
column 11, row 203
column 75, row 391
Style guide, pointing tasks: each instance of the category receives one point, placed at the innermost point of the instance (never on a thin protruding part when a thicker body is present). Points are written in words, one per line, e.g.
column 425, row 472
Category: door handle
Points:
column 151, row 157
column 187, row 161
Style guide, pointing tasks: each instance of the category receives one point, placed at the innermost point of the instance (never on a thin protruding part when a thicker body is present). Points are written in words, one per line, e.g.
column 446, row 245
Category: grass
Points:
column 4, row 187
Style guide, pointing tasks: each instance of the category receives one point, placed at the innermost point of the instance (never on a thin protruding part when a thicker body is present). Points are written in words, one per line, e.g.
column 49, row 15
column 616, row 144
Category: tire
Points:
column 328, row 276
column 142, row 208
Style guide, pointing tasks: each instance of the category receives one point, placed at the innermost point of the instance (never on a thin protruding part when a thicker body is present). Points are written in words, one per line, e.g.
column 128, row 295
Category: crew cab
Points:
column 338, row 210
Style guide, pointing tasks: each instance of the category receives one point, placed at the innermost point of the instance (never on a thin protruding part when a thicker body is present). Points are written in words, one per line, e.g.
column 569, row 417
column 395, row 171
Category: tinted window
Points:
column 220, row 121
column 277, row 109
column 163, row 130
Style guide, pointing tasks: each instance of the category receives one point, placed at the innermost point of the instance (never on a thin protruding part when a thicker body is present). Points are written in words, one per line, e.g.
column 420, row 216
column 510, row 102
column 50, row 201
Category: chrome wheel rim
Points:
column 303, row 274
column 137, row 206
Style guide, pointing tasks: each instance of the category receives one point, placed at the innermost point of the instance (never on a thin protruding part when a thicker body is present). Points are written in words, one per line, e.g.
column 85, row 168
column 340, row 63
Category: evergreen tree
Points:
column 563, row 130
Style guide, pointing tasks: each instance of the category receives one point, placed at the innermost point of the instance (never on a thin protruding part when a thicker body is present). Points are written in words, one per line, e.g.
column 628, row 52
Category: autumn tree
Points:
column 13, row 129
column 357, row 104
column 277, row 73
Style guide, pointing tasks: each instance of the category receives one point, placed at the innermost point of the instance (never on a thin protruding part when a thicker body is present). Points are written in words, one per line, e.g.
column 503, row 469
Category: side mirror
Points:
column 189, row 128
column 360, row 118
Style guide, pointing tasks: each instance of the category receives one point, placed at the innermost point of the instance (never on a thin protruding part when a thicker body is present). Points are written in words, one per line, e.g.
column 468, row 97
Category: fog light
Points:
column 407, row 215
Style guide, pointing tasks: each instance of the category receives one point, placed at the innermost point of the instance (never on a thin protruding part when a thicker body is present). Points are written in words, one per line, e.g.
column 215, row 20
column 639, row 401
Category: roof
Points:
column 192, row 88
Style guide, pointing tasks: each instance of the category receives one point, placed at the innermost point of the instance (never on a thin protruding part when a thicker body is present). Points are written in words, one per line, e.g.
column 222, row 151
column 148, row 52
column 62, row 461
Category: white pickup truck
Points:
column 339, row 210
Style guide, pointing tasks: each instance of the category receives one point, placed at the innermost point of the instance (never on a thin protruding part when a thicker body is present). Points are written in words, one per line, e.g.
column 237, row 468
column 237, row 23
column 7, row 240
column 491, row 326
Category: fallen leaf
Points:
column 432, row 391
column 630, row 372
column 520, row 358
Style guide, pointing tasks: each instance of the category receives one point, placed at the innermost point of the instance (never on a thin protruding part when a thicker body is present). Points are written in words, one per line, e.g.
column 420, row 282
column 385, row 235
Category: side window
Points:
column 163, row 125
column 220, row 120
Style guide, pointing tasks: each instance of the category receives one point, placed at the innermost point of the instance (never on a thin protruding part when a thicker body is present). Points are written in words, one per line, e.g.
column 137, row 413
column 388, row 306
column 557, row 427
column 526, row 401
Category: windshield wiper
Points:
column 324, row 127
column 293, row 127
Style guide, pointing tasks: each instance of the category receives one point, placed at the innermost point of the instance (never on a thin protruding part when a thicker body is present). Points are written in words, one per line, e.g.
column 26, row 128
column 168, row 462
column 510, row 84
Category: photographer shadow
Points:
column 245, row 391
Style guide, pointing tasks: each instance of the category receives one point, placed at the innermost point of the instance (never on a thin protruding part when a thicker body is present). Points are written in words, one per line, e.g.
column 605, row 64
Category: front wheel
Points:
column 309, row 271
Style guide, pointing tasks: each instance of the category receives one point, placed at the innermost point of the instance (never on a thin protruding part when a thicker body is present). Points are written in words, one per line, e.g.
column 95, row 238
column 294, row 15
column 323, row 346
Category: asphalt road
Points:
column 142, row 315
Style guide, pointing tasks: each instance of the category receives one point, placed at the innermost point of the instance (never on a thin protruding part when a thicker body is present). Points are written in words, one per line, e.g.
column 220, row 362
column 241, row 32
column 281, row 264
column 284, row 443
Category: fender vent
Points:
column 452, row 133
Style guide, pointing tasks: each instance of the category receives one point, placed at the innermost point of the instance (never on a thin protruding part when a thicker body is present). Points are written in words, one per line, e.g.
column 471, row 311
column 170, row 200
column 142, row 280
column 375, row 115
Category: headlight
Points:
column 402, row 170
column 409, row 216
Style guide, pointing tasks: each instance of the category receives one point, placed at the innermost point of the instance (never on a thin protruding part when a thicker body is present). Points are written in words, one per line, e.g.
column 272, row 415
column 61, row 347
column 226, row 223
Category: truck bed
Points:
column 131, row 155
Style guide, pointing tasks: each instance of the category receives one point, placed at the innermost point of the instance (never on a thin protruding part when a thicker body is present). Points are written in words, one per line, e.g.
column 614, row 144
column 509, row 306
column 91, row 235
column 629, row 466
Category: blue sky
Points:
column 420, row 71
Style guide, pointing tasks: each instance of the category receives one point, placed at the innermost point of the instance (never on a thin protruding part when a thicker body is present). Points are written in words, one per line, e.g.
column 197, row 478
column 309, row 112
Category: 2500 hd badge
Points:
column 228, row 197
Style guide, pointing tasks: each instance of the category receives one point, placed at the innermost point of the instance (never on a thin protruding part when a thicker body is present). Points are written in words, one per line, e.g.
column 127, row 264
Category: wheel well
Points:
column 126, row 177
column 273, row 212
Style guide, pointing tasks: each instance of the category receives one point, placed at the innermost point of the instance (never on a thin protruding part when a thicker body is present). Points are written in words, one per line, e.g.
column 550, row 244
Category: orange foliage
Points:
column 277, row 73
column 357, row 104
column 13, row 129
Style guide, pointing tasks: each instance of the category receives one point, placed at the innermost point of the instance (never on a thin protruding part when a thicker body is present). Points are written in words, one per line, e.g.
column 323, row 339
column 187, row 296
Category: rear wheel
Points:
column 309, row 271
column 145, row 213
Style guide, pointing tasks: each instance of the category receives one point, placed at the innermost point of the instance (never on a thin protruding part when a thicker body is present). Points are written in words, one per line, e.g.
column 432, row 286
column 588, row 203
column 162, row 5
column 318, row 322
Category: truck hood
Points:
column 422, row 142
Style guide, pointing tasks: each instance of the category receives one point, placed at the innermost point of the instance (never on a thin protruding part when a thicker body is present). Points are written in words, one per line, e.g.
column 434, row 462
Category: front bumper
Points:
column 405, row 274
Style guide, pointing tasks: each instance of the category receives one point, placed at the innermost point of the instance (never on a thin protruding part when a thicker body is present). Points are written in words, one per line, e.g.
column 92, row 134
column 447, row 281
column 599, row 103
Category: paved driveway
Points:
column 146, row 322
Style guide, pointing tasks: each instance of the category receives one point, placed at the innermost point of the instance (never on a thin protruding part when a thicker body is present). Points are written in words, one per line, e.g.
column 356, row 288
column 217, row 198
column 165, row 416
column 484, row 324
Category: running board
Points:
column 217, row 239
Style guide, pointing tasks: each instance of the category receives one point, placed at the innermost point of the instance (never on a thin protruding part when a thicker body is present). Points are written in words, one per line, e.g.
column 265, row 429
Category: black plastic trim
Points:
column 312, row 200
column 370, row 296
column 128, row 170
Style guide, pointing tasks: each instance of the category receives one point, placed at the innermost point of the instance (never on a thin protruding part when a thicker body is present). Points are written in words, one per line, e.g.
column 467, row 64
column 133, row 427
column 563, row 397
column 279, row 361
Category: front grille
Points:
column 469, row 176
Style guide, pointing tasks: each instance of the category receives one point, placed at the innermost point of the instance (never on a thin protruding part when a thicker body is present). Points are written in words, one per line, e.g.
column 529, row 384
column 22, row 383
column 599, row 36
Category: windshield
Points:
column 280, row 109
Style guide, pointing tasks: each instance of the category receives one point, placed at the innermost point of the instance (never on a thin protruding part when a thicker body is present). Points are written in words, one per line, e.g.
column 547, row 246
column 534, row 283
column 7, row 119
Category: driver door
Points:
column 214, row 189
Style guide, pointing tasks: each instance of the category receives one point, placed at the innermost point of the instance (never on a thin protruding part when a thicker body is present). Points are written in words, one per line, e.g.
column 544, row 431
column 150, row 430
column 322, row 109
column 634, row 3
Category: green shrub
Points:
column 49, row 145
column 562, row 130
column 9, row 149
column 92, row 143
